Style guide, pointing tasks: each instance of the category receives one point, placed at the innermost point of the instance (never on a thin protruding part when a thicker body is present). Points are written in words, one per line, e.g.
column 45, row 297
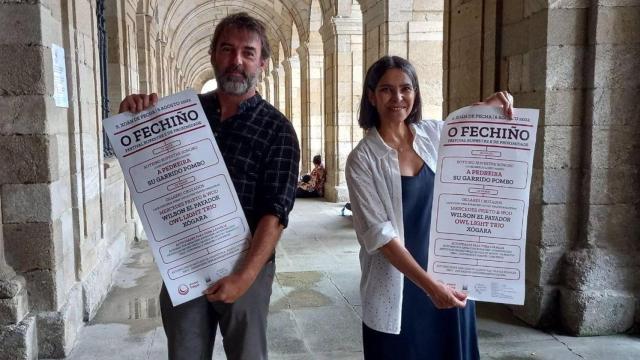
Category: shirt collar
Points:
column 244, row 106
column 380, row 148
column 250, row 103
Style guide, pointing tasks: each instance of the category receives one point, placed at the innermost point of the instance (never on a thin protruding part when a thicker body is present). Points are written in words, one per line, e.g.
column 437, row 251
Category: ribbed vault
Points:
column 186, row 26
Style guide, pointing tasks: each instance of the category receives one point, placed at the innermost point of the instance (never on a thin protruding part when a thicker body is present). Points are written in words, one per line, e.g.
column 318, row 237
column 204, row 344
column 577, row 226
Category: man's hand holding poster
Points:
column 183, row 193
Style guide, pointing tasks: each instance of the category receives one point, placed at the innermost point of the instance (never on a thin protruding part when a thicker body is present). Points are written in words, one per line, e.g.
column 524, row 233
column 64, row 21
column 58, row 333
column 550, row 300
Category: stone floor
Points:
column 315, row 306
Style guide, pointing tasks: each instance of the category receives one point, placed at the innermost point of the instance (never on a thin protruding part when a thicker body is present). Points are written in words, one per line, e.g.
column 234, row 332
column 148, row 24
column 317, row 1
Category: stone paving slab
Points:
column 330, row 329
column 315, row 309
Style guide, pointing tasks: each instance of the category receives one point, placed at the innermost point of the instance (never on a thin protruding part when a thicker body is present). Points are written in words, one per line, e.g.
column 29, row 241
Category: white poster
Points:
column 182, row 190
column 481, row 201
column 59, row 77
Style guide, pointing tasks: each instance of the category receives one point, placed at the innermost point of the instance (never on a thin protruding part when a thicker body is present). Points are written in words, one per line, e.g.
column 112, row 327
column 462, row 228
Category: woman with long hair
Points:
column 390, row 175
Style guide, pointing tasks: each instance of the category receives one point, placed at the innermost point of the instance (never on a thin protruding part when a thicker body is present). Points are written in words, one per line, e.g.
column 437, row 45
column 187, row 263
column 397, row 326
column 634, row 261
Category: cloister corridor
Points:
column 72, row 248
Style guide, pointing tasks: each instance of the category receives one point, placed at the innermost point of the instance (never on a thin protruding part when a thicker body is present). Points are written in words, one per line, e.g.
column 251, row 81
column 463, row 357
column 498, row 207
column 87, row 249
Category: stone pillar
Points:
column 413, row 30
column 342, row 38
column 602, row 286
column 39, row 228
column 517, row 50
column 463, row 52
column 293, row 99
column 424, row 50
column 283, row 88
column 163, row 86
column 571, row 60
column 275, row 79
column 115, row 56
column 146, row 34
column 173, row 73
column 260, row 88
column 312, row 86
column 287, row 71
column 17, row 330
column 303, row 135
column 267, row 89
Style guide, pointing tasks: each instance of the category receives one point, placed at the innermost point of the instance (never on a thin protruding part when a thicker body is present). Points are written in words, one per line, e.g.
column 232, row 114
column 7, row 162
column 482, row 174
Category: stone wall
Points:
column 602, row 292
column 63, row 206
column 412, row 29
column 568, row 59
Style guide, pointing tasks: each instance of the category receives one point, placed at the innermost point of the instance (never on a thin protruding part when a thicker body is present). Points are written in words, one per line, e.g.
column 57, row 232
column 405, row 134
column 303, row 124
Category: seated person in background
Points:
column 313, row 185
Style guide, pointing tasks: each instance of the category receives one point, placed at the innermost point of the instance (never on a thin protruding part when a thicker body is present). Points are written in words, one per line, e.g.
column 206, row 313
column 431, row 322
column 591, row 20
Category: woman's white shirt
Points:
column 375, row 193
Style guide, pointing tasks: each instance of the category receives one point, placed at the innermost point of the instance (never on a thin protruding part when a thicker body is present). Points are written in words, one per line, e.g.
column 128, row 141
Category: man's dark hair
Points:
column 317, row 159
column 368, row 115
column 244, row 21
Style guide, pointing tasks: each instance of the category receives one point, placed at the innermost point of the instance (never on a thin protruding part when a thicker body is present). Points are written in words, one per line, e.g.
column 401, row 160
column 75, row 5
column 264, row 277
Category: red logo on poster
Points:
column 183, row 289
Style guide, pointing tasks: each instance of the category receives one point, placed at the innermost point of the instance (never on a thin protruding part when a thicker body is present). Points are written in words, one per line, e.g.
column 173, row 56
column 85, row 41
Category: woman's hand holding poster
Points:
column 480, row 202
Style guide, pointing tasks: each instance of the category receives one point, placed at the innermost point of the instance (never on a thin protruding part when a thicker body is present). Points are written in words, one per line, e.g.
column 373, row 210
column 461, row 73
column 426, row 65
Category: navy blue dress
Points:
column 426, row 332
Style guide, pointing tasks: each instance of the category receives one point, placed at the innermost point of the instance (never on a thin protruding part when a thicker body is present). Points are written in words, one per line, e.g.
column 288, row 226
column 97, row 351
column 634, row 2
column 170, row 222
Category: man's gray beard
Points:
column 235, row 87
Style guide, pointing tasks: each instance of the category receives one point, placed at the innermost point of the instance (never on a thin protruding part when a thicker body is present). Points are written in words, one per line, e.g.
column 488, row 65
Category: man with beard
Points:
column 261, row 151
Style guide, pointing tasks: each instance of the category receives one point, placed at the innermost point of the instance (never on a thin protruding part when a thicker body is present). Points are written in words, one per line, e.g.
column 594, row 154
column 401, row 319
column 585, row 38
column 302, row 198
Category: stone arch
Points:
column 204, row 77
column 191, row 29
column 299, row 11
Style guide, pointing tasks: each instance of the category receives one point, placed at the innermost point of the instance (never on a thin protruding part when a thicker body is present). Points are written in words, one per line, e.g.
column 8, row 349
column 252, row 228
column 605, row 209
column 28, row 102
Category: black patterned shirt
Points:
column 260, row 149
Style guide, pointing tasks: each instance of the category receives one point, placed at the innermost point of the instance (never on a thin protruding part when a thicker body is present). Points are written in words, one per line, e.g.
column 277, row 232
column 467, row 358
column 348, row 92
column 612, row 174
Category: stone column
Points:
column 303, row 55
column 16, row 329
column 146, row 30
column 275, row 77
column 260, row 88
column 32, row 153
column 162, row 70
column 342, row 38
column 572, row 61
column 413, row 30
column 602, row 287
column 293, row 99
column 267, row 89
column 13, row 295
column 424, row 50
column 287, row 86
column 115, row 56
column 283, row 89
column 312, row 88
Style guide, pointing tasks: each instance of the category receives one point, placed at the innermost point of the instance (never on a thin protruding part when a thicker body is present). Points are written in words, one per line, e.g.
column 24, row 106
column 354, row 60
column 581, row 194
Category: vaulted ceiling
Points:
column 187, row 27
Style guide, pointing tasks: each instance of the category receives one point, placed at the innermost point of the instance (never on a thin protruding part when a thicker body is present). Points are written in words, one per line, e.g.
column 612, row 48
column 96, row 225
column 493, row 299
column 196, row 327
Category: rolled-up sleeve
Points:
column 370, row 220
column 278, row 186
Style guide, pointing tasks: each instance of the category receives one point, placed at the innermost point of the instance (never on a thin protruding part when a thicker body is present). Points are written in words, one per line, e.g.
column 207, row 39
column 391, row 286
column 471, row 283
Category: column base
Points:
column 59, row 329
column 601, row 294
column 11, row 286
column 595, row 312
column 336, row 194
column 14, row 309
column 19, row 341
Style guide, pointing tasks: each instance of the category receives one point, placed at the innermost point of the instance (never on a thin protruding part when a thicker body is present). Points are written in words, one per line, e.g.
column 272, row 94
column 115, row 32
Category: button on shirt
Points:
column 375, row 191
column 260, row 149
